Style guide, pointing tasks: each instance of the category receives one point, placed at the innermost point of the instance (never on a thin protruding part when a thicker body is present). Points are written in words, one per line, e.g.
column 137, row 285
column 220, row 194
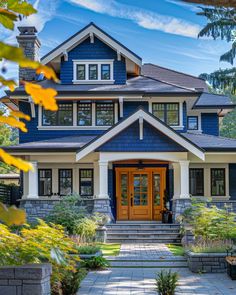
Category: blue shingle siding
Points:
column 34, row 134
column 184, row 117
column 153, row 141
column 210, row 123
column 97, row 50
column 232, row 182
column 130, row 107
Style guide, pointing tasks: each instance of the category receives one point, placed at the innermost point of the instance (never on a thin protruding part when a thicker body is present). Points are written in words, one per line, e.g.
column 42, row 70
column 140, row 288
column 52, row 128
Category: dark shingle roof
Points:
column 62, row 144
column 211, row 142
column 211, row 100
column 172, row 76
column 140, row 84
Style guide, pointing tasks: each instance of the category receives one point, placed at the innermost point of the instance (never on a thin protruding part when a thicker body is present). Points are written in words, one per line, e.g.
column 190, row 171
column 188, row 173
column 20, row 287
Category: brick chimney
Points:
column 29, row 42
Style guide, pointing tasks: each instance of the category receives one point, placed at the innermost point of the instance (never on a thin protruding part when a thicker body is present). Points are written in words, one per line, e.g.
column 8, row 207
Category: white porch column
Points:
column 103, row 179
column 184, row 179
column 96, row 178
column 31, row 178
column 176, row 168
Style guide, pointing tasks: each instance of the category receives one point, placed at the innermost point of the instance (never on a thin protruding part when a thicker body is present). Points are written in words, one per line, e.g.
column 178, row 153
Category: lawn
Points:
column 110, row 249
column 176, row 250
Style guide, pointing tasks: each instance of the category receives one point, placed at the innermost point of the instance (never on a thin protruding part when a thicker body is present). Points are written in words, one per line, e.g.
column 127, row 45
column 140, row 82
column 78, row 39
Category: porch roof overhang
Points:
column 152, row 120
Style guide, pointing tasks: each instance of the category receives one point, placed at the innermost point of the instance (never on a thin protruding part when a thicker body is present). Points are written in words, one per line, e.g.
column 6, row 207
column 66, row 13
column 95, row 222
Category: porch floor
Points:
column 134, row 270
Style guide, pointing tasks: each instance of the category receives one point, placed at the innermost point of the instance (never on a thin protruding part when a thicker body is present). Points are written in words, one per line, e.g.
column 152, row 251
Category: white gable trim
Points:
column 151, row 120
column 91, row 30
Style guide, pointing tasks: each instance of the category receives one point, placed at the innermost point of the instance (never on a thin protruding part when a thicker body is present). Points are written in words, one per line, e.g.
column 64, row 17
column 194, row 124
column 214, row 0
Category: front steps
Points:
column 143, row 232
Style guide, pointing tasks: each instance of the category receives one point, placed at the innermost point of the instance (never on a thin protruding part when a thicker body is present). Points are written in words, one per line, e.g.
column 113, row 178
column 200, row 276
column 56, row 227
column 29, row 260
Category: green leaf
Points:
column 7, row 18
column 21, row 7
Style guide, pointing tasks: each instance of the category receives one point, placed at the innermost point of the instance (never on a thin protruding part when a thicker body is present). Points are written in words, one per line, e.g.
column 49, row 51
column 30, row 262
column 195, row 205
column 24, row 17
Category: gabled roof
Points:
column 211, row 142
column 82, row 35
column 138, row 85
column 172, row 76
column 211, row 100
column 155, row 122
column 62, row 144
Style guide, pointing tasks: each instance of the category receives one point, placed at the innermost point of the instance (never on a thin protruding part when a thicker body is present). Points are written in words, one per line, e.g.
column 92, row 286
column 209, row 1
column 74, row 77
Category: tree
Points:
column 221, row 17
column 225, row 3
column 10, row 12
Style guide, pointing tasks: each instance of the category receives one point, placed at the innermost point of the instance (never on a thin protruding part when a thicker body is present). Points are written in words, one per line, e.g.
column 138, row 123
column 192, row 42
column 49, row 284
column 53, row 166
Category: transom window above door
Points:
column 167, row 112
column 93, row 71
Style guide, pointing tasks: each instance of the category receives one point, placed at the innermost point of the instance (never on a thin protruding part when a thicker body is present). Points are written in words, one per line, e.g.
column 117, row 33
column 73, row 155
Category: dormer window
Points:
column 93, row 72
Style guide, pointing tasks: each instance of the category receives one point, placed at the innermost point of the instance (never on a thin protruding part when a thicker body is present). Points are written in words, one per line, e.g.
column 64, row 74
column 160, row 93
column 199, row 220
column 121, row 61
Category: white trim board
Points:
column 78, row 38
column 151, row 120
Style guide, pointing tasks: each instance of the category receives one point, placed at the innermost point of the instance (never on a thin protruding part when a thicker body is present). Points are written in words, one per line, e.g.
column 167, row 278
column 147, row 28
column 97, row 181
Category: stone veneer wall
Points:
column 32, row 279
column 206, row 262
column 179, row 206
column 41, row 207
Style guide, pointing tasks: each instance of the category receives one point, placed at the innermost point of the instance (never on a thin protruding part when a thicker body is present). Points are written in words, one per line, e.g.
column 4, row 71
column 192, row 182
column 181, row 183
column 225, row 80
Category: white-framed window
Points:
column 93, row 71
column 168, row 112
column 83, row 114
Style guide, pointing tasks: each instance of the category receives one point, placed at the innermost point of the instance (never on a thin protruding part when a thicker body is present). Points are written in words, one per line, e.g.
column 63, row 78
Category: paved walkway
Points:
column 122, row 280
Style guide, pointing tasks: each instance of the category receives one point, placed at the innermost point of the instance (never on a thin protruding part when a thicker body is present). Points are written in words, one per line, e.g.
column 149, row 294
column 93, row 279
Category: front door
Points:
column 140, row 193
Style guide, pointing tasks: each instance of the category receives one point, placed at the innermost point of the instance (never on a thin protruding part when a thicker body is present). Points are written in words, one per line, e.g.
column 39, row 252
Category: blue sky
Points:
column 163, row 32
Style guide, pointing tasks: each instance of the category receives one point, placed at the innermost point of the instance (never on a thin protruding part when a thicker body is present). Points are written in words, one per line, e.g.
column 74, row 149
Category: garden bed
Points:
column 206, row 262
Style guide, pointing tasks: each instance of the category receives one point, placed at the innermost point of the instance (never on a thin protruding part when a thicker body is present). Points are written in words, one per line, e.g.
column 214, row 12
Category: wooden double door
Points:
column 140, row 193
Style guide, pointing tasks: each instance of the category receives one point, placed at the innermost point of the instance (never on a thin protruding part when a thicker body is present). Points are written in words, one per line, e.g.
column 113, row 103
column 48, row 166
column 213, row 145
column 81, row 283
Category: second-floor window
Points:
column 63, row 117
column 167, row 112
column 104, row 114
column 84, row 114
column 93, row 71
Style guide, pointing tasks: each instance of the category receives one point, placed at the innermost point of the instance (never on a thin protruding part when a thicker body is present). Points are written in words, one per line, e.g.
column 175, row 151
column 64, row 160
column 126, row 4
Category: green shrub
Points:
column 211, row 223
column 86, row 229
column 96, row 263
column 88, row 249
column 67, row 213
column 71, row 281
column 43, row 243
column 166, row 282
column 215, row 246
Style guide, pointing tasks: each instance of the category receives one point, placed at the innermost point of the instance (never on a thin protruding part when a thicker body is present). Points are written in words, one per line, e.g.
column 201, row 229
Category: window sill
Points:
column 93, row 82
column 177, row 127
column 73, row 127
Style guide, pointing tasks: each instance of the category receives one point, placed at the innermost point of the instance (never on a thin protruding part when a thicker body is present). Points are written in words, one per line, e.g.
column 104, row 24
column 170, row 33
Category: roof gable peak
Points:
column 91, row 30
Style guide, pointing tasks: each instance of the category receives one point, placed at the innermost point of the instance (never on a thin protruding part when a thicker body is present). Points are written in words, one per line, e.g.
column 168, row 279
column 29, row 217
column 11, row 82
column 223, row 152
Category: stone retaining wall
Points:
column 206, row 262
column 40, row 208
column 32, row 279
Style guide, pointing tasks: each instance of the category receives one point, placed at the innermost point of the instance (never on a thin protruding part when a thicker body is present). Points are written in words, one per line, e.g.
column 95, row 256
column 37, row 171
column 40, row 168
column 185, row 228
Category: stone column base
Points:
column 103, row 206
column 179, row 206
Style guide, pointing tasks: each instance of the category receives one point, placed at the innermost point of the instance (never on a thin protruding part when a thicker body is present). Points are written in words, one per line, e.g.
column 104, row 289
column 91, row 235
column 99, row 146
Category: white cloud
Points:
column 144, row 18
column 46, row 11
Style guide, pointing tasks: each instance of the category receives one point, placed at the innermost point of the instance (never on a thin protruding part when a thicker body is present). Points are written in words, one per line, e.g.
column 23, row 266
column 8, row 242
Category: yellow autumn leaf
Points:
column 20, row 115
column 12, row 215
column 47, row 72
column 17, row 162
column 11, row 84
column 42, row 96
column 13, row 122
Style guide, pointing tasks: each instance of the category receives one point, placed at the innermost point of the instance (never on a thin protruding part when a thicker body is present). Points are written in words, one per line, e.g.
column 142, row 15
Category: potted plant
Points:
column 166, row 213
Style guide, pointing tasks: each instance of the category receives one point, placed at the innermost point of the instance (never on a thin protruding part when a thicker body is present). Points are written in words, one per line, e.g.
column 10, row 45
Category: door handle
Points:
column 131, row 201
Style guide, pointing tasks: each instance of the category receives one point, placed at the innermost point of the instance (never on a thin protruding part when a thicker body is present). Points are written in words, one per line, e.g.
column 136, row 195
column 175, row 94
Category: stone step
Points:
column 144, row 240
column 138, row 226
column 142, row 234
column 143, row 230
column 161, row 264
